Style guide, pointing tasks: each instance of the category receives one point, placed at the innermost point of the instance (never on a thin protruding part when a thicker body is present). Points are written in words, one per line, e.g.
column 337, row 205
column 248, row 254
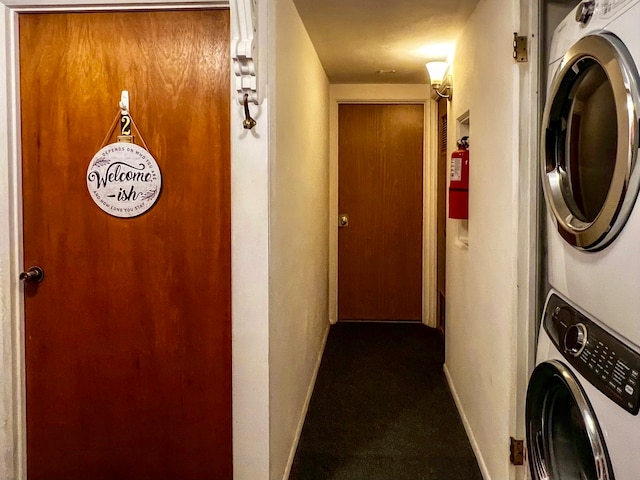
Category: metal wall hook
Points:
column 248, row 122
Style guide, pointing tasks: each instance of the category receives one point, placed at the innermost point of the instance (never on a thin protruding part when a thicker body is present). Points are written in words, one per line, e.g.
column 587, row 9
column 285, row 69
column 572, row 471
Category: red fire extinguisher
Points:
column 459, row 181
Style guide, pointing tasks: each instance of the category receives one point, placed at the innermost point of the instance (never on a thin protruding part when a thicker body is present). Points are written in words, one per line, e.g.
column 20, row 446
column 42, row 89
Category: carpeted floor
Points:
column 382, row 410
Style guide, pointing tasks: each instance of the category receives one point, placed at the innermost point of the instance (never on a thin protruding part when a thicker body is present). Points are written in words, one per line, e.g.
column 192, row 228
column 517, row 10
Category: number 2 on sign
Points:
column 126, row 125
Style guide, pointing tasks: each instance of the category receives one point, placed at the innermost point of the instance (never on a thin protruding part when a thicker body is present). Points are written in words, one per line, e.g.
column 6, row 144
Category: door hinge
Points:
column 516, row 449
column 520, row 53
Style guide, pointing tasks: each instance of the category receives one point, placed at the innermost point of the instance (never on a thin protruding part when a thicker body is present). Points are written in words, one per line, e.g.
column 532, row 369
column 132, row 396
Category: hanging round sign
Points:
column 124, row 180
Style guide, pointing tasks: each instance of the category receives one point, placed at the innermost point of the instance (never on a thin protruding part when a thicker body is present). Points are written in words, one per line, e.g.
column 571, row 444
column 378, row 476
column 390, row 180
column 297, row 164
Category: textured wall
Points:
column 298, row 232
column 481, row 279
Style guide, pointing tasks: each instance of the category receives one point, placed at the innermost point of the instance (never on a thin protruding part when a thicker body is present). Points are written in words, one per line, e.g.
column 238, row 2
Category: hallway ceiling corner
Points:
column 356, row 39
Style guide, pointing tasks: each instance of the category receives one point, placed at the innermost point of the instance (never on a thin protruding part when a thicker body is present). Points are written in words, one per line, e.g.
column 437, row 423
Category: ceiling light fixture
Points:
column 439, row 80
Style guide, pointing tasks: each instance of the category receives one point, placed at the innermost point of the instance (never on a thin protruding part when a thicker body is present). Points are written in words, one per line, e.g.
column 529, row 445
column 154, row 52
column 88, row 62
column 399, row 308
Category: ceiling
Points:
column 356, row 39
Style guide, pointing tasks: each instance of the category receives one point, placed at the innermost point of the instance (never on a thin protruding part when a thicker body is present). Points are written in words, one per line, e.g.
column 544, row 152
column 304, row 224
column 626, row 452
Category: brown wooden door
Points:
column 380, row 189
column 128, row 348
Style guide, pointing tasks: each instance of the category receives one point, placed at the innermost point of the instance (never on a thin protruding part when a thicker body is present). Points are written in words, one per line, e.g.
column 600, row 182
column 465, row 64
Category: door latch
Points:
column 343, row 220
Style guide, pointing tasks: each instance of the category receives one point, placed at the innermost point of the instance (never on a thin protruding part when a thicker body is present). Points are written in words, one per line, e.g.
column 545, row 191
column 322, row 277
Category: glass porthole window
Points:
column 563, row 437
column 590, row 142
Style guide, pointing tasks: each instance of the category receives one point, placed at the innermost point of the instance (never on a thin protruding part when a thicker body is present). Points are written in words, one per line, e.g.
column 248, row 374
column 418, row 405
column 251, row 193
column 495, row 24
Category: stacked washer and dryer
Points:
column 583, row 397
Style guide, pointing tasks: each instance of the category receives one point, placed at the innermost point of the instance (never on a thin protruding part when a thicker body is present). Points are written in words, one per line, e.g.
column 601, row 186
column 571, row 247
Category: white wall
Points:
column 482, row 292
column 299, row 222
column 250, row 273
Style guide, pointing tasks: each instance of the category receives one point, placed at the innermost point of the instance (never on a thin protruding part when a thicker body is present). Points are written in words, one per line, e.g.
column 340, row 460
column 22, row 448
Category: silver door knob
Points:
column 33, row 275
column 343, row 220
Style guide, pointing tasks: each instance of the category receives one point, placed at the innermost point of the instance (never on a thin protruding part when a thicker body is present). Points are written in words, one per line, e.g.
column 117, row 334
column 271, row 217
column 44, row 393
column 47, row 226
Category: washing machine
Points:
column 583, row 399
column 589, row 162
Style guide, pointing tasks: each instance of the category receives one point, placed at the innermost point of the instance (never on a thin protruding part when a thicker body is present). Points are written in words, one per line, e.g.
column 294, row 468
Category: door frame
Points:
column 528, row 303
column 388, row 94
column 250, row 389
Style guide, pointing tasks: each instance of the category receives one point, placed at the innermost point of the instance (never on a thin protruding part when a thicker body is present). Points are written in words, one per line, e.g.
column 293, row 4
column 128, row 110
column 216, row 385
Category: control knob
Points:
column 585, row 11
column 575, row 339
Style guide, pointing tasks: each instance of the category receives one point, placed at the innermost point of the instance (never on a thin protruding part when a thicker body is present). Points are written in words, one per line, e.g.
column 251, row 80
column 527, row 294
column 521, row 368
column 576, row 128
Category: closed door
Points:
column 128, row 349
column 380, row 190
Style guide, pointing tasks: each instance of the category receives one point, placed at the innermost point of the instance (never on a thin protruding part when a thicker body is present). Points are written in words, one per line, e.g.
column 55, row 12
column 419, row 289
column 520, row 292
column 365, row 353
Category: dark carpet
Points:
column 382, row 410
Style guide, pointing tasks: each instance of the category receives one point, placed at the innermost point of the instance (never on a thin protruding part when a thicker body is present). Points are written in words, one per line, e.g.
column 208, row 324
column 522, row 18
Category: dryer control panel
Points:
column 608, row 8
column 605, row 361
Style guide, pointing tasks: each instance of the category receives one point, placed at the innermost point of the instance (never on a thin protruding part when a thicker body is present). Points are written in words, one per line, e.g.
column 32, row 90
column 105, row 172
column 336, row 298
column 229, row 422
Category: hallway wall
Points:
column 298, row 228
column 250, row 272
column 482, row 279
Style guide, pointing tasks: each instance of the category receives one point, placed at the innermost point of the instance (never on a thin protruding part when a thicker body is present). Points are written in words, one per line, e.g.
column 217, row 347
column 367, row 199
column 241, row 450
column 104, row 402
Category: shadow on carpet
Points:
column 381, row 410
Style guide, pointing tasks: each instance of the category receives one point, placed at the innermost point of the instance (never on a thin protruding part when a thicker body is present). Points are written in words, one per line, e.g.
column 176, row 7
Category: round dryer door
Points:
column 564, row 440
column 590, row 142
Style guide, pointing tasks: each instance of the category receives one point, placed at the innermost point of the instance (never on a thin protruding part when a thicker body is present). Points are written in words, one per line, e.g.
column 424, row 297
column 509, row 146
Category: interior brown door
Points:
column 380, row 190
column 128, row 349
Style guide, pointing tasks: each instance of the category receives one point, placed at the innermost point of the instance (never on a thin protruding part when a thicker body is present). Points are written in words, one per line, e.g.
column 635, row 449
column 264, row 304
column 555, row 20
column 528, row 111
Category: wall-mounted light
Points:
column 440, row 81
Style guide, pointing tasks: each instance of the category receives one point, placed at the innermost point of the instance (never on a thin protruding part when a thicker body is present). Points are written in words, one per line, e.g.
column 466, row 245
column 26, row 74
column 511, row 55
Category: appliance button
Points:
column 629, row 389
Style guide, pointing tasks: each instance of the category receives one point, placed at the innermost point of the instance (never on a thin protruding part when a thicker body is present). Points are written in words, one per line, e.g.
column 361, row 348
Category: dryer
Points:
column 589, row 162
column 582, row 399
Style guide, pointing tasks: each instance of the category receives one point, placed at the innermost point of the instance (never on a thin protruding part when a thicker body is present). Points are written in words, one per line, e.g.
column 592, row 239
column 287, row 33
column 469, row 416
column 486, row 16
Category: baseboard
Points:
column 305, row 408
column 467, row 426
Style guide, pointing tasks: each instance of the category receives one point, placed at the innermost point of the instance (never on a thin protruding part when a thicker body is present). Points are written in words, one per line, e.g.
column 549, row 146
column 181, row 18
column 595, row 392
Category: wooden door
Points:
column 380, row 189
column 128, row 348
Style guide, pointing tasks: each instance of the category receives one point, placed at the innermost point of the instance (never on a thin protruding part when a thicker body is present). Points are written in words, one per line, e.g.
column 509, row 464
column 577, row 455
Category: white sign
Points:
column 456, row 169
column 124, row 180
